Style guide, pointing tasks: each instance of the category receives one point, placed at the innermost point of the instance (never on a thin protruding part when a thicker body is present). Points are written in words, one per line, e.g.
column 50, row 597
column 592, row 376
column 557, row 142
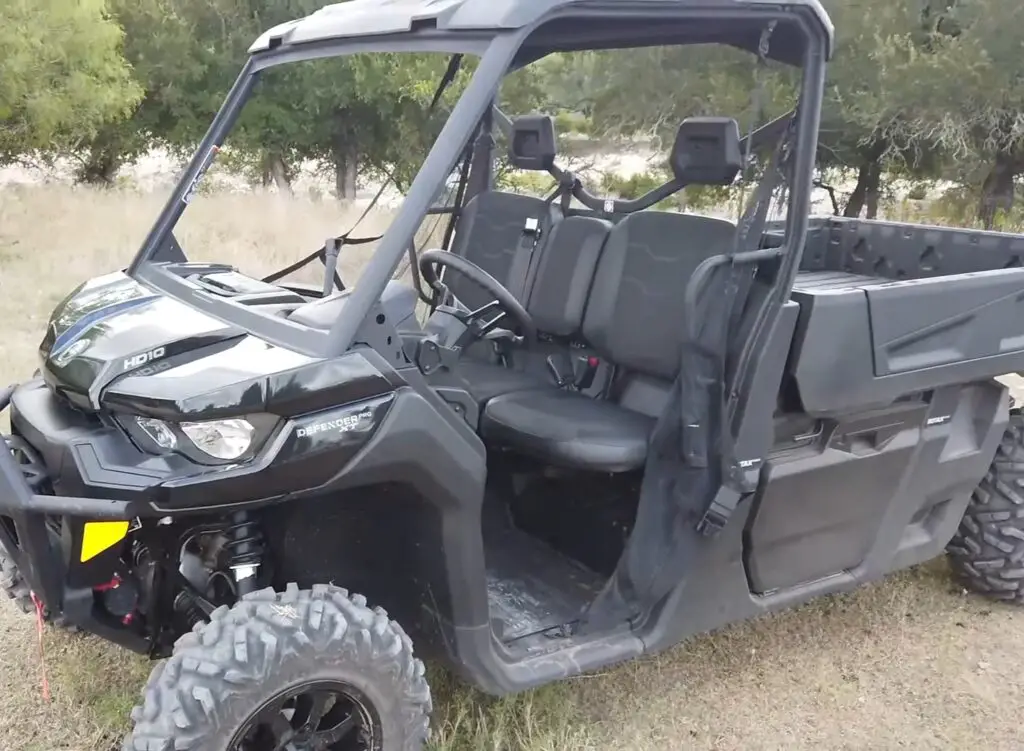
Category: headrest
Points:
column 531, row 144
column 707, row 151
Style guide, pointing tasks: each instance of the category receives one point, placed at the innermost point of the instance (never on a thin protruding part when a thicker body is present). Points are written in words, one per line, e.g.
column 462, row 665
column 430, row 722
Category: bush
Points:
column 706, row 197
column 572, row 123
column 637, row 185
column 917, row 192
column 527, row 183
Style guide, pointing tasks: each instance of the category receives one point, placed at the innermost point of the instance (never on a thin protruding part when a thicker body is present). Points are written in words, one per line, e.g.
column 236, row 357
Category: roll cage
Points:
column 504, row 37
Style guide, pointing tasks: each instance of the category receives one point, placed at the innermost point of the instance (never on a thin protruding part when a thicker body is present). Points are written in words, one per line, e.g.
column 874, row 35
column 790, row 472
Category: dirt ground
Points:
column 911, row 662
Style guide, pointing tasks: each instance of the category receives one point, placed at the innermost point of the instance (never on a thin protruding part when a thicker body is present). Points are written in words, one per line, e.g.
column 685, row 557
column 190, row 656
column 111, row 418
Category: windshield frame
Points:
column 497, row 51
column 494, row 58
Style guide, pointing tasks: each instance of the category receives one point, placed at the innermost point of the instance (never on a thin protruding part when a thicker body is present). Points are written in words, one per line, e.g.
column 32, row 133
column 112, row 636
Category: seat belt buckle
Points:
column 564, row 376
column 718, row 512
column 584, row 369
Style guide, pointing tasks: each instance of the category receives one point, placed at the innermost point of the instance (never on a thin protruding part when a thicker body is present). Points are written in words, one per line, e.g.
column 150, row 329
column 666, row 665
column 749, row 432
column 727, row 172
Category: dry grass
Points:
column 908, row 663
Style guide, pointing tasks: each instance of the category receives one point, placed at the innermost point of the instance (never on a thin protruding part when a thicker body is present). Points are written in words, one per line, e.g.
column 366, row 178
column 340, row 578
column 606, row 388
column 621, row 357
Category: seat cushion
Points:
column 568, row 430
column 485, row 381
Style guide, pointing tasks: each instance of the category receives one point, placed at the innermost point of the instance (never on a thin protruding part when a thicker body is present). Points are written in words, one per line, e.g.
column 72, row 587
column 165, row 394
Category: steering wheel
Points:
column 483, row 320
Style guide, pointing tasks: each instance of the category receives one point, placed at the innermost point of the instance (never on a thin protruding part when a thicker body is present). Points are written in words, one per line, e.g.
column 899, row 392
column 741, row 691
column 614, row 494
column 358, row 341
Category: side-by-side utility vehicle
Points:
column 589, row 428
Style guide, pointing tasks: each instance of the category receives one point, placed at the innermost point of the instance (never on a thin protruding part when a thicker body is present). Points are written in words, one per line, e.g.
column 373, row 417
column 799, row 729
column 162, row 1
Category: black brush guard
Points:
column 31, row 543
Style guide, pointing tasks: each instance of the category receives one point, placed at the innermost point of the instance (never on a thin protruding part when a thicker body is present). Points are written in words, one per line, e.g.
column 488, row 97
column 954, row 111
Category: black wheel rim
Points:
column 316, row 716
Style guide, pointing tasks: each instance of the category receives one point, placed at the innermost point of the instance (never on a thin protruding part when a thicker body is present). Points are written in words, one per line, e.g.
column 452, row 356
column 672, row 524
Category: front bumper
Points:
column 42, row 533
column 61, row 470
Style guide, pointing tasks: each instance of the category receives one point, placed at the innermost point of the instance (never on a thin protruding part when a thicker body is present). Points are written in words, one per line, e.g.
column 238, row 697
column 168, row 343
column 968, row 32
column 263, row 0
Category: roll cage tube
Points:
column 808, row 120
column 498, row 49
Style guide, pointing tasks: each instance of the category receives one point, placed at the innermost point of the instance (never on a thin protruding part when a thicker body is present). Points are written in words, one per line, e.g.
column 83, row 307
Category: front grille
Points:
column 31, row 465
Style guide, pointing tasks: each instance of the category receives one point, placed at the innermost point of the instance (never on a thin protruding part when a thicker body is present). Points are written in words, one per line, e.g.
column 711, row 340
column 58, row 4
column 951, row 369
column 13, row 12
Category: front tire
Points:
column 17, row 589
column 987, row 552
column 230, row 683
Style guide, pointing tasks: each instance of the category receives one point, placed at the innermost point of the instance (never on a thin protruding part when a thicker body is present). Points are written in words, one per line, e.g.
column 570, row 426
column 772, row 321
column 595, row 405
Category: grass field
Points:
column 911, row 662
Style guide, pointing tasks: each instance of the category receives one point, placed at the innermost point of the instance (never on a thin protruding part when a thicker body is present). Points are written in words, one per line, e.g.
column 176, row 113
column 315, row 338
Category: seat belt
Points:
column 534, row 229
column 722, row 399
column 691, row 459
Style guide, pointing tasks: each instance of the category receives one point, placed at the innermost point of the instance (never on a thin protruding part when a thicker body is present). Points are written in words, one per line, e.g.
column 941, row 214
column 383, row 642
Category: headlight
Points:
column 221, row 439
column 159, row 432
column 204, row 442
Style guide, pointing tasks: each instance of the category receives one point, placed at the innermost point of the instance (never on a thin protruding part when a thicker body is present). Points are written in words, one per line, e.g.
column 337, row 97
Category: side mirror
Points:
column 707, row 151
column 532, row 143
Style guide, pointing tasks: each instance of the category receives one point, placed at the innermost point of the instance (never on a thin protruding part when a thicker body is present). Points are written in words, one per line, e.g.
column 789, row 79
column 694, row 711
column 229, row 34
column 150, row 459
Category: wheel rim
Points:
column 315, row 716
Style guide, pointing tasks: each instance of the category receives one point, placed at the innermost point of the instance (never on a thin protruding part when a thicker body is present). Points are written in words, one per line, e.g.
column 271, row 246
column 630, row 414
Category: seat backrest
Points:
column 490, row 234
column 562, row 273
column 634, row 314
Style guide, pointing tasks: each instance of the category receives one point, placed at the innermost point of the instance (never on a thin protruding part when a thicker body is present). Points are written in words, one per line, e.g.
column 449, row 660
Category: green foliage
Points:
column 526, row 183
column 573, row 123
column 637, row 185
column 62, row 75
column 918, row 90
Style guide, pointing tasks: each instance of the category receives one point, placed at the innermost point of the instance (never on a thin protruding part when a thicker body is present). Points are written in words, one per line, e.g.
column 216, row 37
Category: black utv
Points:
column 588, row 430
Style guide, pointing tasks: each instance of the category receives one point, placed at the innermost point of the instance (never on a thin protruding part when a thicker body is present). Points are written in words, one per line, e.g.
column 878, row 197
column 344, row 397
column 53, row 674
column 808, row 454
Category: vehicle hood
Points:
column 116, row 344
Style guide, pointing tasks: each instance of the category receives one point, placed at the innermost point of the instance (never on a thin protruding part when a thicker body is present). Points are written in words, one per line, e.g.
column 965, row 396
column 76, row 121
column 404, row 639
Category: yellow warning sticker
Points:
column 100, row 536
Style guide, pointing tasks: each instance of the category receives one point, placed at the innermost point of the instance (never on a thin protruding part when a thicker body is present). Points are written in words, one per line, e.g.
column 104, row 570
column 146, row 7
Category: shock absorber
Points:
column 245, row 550
column 185, row 603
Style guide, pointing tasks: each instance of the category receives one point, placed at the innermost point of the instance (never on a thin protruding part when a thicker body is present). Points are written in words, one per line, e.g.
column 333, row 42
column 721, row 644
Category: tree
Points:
column 652, row 91
column 62, row 75
column 993, row 110
column 185, row 53
column 890, row 93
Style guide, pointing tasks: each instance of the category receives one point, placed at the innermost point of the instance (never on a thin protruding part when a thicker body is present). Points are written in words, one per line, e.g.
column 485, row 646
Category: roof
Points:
column 358, row 18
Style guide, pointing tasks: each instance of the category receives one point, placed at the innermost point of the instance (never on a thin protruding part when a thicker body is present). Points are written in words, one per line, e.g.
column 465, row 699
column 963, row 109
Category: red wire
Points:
column 42, row 657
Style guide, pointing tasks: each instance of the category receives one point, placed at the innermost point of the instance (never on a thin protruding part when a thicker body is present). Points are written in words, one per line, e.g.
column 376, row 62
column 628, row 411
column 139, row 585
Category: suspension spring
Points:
column 245, row 551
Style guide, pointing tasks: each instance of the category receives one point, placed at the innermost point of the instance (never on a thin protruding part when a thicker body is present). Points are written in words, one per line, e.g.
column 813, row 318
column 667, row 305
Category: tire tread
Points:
column 987, row 551
column 243, row 647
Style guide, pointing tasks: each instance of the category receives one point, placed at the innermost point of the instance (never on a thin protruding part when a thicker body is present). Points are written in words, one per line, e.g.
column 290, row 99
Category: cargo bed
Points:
column 890, row 309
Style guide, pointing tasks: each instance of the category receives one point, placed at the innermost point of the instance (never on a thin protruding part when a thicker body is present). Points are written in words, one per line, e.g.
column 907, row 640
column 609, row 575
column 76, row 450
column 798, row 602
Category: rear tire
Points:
column 227, row 673
column 987, row 552
column 16, row 588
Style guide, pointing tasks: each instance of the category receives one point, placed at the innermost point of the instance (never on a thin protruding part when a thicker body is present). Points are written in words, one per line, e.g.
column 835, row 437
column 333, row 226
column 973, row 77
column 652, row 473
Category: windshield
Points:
column 314, row 145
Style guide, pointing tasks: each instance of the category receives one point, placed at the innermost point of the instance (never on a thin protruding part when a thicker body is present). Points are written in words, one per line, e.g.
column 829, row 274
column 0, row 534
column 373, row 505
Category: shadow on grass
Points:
column 545, row 719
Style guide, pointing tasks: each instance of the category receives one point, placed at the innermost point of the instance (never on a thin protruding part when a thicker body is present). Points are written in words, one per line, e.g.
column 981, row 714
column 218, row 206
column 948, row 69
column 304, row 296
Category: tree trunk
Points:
column 998, row 189
column 100, row 167
column 869, row 182
column 277, row 172
column 874, row 191
column 855, row 203
column 345, row 153
column 346, row 167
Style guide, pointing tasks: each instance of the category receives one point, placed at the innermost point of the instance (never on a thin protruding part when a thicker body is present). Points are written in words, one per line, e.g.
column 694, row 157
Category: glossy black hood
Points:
column 116, row 344
column 112, row 325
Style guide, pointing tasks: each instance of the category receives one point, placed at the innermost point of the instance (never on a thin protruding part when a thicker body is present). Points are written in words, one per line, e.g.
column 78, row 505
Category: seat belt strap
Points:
column 534, row 229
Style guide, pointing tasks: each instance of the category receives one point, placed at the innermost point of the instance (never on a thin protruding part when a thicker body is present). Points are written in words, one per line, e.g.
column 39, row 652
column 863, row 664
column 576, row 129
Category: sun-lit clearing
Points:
column 910, row 662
